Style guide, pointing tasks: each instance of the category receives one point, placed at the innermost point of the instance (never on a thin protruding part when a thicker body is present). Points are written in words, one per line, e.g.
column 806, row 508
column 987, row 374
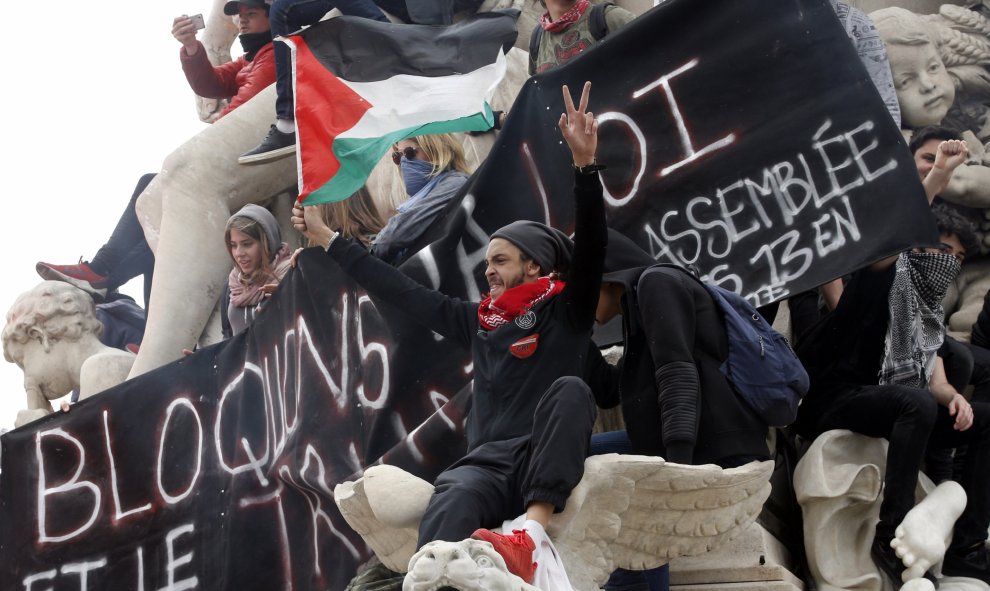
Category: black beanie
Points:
column 549, row 247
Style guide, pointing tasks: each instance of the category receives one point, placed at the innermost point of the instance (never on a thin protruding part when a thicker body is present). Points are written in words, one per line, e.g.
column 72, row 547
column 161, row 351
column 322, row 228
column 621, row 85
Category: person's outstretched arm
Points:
column 580, row 131
column 449, row 317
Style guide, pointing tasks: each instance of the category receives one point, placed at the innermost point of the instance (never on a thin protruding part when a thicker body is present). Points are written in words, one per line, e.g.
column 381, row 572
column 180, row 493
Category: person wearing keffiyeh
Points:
column 530, row 423
column 874, row 370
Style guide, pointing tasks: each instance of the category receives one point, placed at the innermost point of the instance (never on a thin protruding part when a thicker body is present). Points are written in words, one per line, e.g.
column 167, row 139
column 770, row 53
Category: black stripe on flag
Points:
column 363, row 50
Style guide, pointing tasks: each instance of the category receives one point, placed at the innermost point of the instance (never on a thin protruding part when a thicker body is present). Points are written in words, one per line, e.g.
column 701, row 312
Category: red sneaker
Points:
column 79, row 275
column 517, row 550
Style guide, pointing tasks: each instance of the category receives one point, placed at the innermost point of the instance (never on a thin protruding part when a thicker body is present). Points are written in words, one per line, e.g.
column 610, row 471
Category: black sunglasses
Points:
column 409, row 153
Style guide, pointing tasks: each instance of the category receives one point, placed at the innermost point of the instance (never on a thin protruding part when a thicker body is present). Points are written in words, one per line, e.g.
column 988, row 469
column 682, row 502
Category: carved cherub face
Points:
column 924, row 88
column 469, row 565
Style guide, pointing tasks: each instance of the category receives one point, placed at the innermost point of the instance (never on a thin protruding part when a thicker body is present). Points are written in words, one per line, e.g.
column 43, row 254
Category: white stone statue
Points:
column 632, row 512
column 838, row 484
column 465, row 565
column 935, row 65
column 52, row 334
column 964, row 299
column 217, row 38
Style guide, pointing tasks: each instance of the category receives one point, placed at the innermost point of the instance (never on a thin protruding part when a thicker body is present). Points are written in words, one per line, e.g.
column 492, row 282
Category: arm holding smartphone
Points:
column 184, row 30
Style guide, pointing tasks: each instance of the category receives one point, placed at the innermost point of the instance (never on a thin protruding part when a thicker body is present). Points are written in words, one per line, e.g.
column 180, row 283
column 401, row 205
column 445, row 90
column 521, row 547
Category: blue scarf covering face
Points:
column 415, row 175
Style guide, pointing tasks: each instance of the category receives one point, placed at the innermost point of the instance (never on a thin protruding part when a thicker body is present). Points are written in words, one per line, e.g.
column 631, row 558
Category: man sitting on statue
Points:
column 530, row 423
column 874, row 370
column 126, row 254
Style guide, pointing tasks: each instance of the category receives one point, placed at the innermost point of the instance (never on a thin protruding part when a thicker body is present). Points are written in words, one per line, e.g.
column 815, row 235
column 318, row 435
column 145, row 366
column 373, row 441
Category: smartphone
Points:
column 197, row 20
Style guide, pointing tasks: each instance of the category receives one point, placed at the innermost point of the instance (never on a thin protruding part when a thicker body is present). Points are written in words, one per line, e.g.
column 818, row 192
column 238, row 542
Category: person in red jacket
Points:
column 242, row 78
column 126, row 254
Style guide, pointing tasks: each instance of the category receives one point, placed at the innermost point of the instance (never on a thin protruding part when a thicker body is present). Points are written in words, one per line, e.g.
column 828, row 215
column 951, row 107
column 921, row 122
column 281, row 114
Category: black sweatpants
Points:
column 497, row 480
column 910, row 419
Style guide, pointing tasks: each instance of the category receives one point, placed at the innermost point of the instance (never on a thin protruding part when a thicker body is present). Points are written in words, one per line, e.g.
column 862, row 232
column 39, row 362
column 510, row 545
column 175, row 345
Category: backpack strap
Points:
column 534, row 47
column 598, row 25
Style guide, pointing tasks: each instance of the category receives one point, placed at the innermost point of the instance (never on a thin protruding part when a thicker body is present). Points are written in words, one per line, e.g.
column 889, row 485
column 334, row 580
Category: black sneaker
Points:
column 972, row 562
column 275, row 145
column 890, row 565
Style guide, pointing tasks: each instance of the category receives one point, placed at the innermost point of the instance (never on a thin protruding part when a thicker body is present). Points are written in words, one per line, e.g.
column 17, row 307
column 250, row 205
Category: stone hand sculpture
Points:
column 52, row 334
column 468, row 564
column 631, row 512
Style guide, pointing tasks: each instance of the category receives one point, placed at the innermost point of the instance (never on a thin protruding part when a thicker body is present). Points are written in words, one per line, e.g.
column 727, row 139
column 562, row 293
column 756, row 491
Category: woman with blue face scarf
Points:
column 433, row 170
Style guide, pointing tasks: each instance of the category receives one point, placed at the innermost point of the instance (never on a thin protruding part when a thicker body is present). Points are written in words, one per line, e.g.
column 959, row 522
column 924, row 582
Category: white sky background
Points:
column 95, row 97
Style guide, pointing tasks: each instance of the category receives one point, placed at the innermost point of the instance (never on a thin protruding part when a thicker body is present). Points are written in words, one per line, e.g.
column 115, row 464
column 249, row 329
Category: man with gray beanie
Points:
column 530, row 423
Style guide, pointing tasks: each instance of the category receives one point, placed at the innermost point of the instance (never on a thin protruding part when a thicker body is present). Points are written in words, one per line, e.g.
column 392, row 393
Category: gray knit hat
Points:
column 549, row 247
column 266, row 220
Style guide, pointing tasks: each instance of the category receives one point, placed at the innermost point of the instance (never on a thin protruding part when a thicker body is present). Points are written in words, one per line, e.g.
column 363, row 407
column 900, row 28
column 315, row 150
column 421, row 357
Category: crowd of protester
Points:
column 873, row 343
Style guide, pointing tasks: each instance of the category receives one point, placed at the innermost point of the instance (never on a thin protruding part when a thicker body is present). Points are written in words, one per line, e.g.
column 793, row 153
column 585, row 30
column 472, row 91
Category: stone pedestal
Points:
column 753, row 561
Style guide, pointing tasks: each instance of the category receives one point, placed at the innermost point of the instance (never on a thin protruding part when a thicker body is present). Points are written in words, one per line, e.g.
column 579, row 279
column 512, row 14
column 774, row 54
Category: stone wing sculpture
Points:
column 628, row 511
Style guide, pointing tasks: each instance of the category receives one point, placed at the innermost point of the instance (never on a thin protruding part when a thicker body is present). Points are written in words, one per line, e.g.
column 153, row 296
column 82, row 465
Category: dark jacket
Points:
column 507, row 387
column 654, row 332
column 981, row 328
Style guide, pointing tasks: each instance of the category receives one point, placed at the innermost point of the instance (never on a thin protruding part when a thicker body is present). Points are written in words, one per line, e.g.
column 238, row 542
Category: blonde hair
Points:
column 255, row 231
column 355, row 217
column 443, row 151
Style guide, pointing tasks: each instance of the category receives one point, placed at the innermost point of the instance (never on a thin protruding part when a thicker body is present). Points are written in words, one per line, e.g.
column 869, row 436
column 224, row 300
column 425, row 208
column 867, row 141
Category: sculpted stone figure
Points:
column 934, row 66
column 838, row 485
column 52, row 334
column 469, row 564
column 631, row 512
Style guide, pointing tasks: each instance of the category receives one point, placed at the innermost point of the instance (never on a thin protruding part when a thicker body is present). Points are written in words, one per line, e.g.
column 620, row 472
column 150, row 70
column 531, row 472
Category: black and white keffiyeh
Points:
column 916, row 328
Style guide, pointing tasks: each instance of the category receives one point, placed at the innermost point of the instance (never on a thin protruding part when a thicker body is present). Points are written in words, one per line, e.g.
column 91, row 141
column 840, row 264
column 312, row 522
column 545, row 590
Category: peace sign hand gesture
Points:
column 580, row 129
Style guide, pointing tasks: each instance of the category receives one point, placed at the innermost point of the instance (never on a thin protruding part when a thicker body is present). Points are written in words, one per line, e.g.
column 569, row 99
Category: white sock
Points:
column 535, row 531
column 285, row 125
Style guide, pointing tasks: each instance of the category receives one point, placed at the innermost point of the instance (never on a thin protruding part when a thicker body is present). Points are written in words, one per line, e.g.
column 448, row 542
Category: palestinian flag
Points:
column 362, row 85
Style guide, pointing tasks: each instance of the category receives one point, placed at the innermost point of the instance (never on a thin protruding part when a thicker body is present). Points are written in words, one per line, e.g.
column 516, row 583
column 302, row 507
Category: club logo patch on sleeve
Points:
column 525, row 346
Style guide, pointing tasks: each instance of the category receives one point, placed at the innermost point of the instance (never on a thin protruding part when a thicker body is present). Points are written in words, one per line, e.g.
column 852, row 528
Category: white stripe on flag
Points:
column 406, row 101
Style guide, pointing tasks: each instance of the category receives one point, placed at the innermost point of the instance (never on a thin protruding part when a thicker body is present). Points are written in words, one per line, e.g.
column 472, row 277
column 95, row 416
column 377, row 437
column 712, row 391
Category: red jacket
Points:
column 238, row 80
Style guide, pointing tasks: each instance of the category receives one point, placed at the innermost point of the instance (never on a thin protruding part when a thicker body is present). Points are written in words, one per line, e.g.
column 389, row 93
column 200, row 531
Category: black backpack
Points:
column 597, row 26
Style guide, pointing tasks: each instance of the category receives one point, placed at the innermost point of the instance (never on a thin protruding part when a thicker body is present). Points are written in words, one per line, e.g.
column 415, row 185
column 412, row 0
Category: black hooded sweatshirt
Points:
column 705, row 428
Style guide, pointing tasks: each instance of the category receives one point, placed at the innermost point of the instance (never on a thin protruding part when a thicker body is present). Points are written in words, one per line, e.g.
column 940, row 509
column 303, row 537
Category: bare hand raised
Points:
column 580, row 129
column 308, row 221
column 950, row 154
column 184, row 30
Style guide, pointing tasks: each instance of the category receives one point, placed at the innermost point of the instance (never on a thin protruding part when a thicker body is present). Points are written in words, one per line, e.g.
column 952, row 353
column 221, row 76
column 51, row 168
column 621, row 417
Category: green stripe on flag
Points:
column 358, row 156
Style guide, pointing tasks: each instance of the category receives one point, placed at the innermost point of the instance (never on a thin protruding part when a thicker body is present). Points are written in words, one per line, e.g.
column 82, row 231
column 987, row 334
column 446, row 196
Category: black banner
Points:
column 742, row 136
column 217, row 471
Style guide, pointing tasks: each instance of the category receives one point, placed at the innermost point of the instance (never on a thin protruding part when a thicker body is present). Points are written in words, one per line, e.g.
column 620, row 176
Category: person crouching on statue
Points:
column 530, row 424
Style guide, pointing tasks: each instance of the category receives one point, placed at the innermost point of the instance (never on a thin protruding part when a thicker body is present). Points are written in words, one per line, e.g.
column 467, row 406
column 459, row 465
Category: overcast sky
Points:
column 95, row 97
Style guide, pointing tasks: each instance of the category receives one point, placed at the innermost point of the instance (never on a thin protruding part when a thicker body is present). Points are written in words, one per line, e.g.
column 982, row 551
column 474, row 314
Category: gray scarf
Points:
column 916, row 328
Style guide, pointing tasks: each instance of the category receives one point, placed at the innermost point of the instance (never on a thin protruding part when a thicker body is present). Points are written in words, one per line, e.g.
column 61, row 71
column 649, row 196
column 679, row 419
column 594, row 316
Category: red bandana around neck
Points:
column 567, row 19
column 516, row 301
